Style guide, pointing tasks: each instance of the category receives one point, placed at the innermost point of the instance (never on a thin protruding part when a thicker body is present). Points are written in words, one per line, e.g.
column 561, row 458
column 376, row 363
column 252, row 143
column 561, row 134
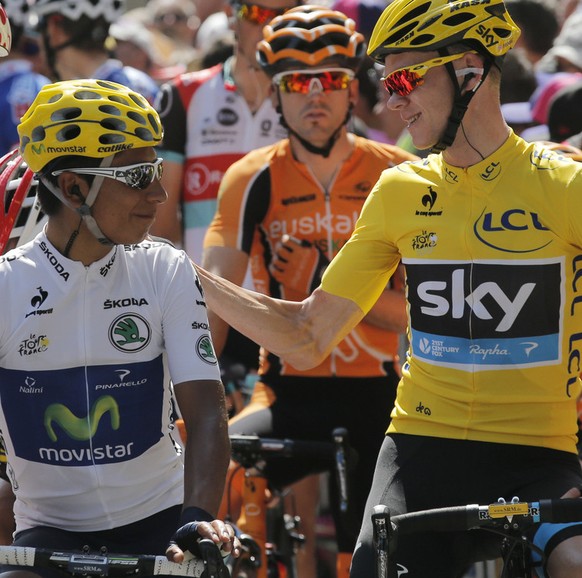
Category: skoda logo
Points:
column 130, row 333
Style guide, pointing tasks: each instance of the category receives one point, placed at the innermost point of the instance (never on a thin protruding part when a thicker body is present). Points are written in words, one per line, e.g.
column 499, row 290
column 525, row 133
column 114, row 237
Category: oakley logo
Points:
column 80, row 428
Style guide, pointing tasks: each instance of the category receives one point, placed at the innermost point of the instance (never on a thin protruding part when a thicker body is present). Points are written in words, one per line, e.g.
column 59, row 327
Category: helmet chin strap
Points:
column 323, row 151
column 461, row 101
column 85, row 209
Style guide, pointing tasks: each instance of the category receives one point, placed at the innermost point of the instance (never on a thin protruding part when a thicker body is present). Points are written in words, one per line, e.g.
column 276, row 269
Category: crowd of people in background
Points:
column 193, row 59
column 541, row 88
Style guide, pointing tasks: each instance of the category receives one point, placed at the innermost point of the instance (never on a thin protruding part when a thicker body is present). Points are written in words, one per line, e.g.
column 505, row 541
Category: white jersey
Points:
column 208, row 125
column 86, row 356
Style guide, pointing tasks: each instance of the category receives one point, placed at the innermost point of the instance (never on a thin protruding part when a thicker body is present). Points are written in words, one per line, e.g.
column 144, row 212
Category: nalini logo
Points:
column 205, row 350
column 80, row 428
column 130, row 333
column 428, row 200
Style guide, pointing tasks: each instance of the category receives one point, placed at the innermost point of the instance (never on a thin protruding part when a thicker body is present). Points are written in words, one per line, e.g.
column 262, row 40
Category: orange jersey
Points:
column 268, row 194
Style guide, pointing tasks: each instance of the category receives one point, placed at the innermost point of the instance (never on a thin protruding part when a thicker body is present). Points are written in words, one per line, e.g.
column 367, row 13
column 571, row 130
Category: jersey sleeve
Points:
column 187, row 338
column 364, row 265
column 243, row 199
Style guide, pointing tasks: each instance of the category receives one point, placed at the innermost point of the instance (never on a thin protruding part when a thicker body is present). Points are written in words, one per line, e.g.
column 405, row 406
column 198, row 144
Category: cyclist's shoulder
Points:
column 138, row 80
column 192, row 80
column 256, row 162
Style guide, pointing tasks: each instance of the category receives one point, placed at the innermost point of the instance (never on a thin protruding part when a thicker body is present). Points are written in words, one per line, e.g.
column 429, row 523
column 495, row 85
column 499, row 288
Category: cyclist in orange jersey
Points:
column 286, row 210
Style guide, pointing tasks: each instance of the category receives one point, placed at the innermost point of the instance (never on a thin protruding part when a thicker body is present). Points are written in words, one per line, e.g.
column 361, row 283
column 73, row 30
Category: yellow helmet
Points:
column 433, row 24
column 310, row 36
column 93, row 118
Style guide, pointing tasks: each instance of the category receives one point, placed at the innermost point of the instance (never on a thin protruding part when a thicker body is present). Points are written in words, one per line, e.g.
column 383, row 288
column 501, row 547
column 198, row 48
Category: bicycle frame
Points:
column 250, row 452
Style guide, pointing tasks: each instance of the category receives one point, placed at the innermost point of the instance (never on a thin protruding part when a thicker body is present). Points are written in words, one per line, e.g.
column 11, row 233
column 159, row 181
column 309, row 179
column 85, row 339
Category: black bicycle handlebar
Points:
column 506, row 516
column 249, row 450
column 461, row 518
column 87, row 563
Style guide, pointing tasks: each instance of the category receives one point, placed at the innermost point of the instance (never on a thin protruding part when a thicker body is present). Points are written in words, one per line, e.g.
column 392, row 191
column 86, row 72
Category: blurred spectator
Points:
column 565, row 113
column 139, row 47
column 566, row 52
column 177, row 19
column 364, row 13
column 542, row 97
column 518, row 83
column 74, row 35
column 214, row 29
column 204, row 8
column 19, row 81
column 539, row 24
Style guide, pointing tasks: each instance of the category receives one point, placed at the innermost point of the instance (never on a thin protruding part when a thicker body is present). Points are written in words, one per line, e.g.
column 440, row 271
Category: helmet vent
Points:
column 38, row 134
column 87, row 95
column 414, row 14
column 136, row 117
column 139, row 101
column 69, row 132
column 118, row 99
column 110, row 109
column 422, row 40
column 155, row 124
column 109, row 139
column 401, row 33
column 68, row 113
column 458, row 19
column 144, row 134
column 114, row 124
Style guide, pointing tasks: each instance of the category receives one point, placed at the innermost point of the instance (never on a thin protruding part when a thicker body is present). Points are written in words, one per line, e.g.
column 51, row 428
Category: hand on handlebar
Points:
column 189, row 536
column 573, row 493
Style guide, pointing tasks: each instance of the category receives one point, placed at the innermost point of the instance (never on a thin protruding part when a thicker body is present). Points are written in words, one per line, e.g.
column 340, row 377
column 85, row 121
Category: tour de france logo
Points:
column 129, row 333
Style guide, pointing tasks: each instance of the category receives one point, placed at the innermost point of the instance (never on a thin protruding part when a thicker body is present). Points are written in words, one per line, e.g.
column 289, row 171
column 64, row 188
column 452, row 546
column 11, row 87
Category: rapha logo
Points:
column 428, row 200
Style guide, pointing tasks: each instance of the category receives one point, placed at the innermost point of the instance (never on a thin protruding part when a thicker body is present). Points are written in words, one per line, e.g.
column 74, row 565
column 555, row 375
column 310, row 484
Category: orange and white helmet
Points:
column 307, row 36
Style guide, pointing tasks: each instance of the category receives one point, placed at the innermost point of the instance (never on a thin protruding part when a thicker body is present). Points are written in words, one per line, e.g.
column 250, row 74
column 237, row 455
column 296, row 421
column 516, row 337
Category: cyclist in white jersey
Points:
column 101, row 323
column 74, row 34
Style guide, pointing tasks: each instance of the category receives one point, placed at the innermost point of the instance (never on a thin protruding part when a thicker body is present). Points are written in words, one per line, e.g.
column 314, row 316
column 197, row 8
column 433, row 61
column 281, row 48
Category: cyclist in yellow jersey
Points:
column 285, row 210
column 488, row 228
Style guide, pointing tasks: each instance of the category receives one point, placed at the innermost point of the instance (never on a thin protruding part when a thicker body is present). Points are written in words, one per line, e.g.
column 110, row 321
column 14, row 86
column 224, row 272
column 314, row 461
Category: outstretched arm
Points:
column 302, row 333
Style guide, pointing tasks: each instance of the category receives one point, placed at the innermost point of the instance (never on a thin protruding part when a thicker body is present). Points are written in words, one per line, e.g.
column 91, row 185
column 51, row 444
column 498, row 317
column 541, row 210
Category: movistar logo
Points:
column 80, row 428
column 130, row 333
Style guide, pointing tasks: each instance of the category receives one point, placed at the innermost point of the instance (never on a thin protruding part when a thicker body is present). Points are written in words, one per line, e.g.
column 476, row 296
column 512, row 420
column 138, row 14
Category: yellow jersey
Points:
column 493, row 263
